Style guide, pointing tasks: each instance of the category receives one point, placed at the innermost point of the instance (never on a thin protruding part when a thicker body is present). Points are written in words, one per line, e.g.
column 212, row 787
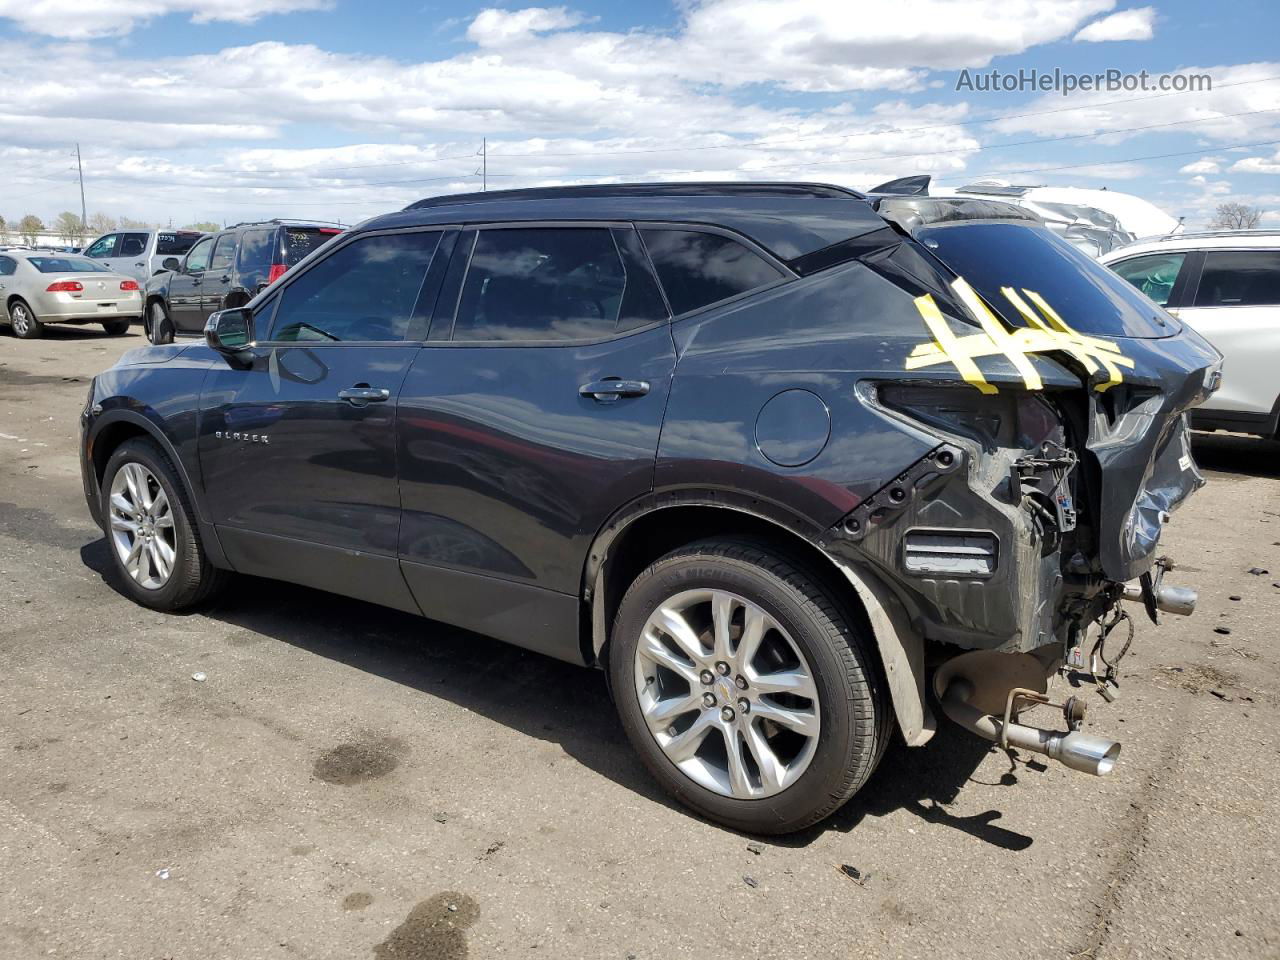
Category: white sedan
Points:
column 38, row 288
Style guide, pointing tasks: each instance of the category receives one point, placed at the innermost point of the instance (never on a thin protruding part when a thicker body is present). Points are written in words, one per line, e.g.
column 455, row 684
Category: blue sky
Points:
column 340, row 110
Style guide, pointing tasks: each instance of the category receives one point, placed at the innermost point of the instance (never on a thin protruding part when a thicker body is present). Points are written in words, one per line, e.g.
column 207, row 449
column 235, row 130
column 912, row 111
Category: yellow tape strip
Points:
column 1043, row 334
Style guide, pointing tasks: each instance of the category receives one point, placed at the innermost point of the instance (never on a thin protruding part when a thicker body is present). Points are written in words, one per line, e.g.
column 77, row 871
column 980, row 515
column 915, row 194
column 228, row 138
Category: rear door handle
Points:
column 612, row 389
column 362, row 393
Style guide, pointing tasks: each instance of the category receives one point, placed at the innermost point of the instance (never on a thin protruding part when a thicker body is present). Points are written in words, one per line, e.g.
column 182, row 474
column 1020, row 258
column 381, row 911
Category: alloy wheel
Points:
column 142, row 527
column 727, row 694
column 20, row 319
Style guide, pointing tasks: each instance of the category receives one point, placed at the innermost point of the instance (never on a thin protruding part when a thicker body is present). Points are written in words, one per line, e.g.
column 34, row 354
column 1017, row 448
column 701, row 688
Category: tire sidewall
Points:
column 146, row 453
column 839, row 739
column 158, row 328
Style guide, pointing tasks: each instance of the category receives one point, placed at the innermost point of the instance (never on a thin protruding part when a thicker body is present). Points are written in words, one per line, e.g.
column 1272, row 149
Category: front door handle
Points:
column 362, row 393
column 611, row 389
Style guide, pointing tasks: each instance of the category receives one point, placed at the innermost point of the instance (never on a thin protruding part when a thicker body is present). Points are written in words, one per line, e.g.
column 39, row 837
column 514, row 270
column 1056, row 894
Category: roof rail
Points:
column 669, row 189
column 1203, row 234
column 254, row 223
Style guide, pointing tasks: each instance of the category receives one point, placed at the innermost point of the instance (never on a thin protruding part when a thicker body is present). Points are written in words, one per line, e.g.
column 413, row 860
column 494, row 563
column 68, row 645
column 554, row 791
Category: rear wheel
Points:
column 23, row 321
column 154, row 541
column 747, row 693
column 159, row 328
column 116, row 328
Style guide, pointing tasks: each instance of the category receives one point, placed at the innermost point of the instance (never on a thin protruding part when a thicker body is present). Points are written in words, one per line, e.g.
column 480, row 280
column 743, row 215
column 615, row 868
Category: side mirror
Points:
column 171, row 263
column 230, row 332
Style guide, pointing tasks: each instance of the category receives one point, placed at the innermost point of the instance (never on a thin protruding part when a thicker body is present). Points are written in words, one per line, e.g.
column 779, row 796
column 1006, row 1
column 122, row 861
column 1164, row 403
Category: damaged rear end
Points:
column 1057, row 396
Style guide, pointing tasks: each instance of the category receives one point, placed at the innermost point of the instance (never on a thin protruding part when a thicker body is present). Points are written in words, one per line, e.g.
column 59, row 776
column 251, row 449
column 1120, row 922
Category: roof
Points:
column 1206, row 240
column 788, row 219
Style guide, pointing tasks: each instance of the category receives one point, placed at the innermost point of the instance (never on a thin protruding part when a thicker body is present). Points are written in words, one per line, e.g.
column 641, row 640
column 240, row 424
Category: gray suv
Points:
column 140, row 253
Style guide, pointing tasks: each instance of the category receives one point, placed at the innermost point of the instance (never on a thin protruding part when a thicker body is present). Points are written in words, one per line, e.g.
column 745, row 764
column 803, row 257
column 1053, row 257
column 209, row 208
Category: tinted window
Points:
column 103, row 246
column 132, row 244
column 7, row 266
column 1239, row 278
column 697, row 269
column 198, row 258
column 1154, row 275
column 364, row 291
column 224, row 251
column 299, row 242
column 66, row 265
column 256, row 249
column 553, row 283
column 175, row 244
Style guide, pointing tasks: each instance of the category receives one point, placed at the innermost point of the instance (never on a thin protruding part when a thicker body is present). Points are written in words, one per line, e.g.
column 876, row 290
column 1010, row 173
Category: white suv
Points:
column 1227, row 286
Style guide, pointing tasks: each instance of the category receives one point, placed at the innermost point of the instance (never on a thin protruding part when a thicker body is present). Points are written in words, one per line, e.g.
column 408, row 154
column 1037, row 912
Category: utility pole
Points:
column 84, row 214
column 484, row 163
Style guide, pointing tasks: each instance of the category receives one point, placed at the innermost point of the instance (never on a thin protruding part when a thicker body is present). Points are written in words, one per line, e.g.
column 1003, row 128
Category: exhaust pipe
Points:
column 1176, row 600
column 1079, row 751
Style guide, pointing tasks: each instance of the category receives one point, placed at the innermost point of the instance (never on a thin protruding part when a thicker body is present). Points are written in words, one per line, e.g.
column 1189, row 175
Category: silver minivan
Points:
column 140, row 253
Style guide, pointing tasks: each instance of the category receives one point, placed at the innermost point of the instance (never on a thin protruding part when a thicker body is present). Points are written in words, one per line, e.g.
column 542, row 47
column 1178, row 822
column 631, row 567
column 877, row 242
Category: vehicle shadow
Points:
column 88, row 331
column 1237, row 454
column 558, row 702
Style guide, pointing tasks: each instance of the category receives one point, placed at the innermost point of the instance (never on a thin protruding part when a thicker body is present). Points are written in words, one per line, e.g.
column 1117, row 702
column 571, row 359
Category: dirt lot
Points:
column 352, row 782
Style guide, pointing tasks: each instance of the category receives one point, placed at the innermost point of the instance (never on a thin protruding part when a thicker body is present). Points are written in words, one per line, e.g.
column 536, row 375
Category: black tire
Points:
column 193, row 578
column 853, row 708
column 23, row 321
column 117, row 328
column 158, row 326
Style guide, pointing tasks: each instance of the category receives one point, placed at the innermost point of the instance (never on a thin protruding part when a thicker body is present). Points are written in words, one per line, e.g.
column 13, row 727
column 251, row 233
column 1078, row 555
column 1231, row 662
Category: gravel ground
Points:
column 353, row 782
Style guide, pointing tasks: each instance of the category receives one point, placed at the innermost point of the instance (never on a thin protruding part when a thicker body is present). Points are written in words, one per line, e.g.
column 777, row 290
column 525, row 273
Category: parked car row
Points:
column 170, row 280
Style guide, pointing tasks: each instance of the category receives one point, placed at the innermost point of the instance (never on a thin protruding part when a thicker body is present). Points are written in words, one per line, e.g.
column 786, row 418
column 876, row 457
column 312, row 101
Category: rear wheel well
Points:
column 657, row 533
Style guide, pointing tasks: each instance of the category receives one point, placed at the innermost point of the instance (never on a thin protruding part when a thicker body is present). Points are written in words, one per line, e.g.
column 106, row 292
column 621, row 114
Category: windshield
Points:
column 66, row 265
column 299, row 241
column 1084, row 293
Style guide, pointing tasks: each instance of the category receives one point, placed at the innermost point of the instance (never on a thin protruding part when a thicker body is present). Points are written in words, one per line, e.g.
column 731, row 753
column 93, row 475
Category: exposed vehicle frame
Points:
column 919, row 463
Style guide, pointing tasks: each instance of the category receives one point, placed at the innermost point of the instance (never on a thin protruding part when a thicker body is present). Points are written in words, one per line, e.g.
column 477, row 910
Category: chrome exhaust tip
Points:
column 1087, row 753
column 1180, row 601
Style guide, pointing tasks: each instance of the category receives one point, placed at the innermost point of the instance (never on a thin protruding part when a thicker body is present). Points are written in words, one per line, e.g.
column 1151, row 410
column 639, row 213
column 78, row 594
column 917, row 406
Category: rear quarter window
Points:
column 257, row 251
column 697, row 269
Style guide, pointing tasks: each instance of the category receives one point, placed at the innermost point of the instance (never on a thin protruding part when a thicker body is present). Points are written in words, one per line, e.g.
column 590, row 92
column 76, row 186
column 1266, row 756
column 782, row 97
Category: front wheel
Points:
column 746, row 691
column 23, row 321
column 159, row 328
column 151, row 530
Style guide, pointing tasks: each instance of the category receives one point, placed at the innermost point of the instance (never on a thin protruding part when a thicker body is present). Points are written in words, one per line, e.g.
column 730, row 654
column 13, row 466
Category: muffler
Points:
column 1170, row 599
column 1079, row 751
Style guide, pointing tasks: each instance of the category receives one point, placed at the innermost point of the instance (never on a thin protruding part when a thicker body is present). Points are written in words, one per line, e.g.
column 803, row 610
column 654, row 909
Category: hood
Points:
column 140, row 356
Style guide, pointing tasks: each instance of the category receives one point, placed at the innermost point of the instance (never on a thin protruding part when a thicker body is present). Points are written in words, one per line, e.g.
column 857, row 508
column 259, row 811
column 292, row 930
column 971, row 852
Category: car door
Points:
column 8, row 267
column 1236, row 306
column 130, row 258
column 217, row 278
column 186, row 299
column 531, row 415
column 297, row 442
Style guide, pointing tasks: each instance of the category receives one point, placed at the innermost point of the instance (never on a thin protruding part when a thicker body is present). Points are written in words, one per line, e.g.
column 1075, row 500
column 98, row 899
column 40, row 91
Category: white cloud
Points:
column 82, row 19
column 1202, row 166
column 495, row 28
column 1257, row 165
column 1137, row 24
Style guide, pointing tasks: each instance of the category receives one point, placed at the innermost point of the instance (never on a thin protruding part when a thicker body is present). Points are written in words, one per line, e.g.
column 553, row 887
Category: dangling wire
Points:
column 1099, row 652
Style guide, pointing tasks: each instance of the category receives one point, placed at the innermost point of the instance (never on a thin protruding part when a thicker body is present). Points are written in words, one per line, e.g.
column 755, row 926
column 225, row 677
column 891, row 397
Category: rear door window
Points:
column 175, row 244
column 103, row 246
column 555, row 283
column 698, row 269
column 224, row 251
column 1239, row 278
column 365, row 291
column 7, row 266
column 1153, row 274
column 132, row 244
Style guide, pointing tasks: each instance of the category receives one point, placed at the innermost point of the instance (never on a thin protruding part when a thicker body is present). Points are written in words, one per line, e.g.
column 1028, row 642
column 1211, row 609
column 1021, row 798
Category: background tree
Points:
column 128, row 223
column 30, row 227
column 4, row 230
column 1235, row 216
column 69, row 227
column 100, row 223
column 204, row 226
